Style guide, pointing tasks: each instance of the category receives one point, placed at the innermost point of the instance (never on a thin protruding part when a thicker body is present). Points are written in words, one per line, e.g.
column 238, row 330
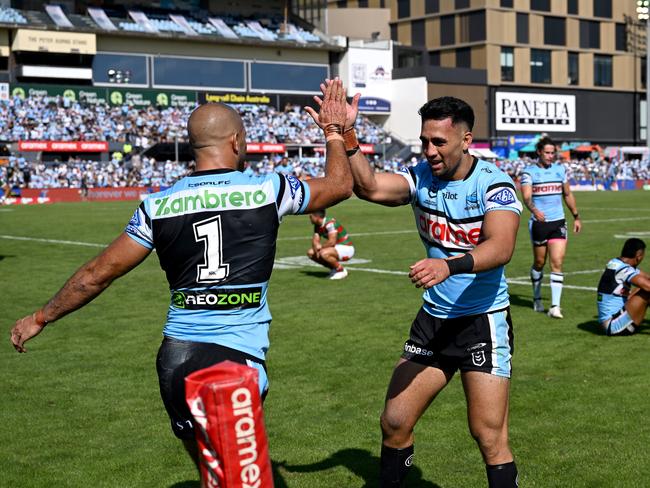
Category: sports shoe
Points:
column 338, row 275
column 555, row 312
column 538, row 307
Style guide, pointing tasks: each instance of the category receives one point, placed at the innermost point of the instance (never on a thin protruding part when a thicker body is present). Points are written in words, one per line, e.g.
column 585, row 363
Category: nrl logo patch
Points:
column 478, row 358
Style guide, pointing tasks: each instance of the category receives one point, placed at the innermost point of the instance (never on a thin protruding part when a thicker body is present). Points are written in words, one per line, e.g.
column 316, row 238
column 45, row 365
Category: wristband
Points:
column 350, row 139
column 352, row 152
column 334, row 137
column 464, row 264
column 333, row 129
column 39, row 318
column 576, row 216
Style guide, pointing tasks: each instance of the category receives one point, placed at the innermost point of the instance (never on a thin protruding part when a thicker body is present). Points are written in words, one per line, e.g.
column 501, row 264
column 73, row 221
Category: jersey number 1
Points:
column 213, row 270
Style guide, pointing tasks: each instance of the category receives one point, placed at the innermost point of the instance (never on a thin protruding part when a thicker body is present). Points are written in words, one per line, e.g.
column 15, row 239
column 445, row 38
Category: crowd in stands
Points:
column 145, row 171
column 60, row 119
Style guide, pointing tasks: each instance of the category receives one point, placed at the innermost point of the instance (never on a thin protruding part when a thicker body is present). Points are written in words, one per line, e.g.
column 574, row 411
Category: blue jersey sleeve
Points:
column 139, row 227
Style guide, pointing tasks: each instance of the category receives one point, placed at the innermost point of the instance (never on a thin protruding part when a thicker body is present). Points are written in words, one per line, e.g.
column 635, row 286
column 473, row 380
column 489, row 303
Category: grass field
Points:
column 82, row 407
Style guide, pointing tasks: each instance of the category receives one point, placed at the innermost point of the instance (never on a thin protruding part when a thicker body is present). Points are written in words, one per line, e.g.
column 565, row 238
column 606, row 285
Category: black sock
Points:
column 394, row 466
column 502, row 475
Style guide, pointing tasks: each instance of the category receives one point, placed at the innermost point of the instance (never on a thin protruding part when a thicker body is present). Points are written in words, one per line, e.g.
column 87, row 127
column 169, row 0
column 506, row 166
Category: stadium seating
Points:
column 9, row 15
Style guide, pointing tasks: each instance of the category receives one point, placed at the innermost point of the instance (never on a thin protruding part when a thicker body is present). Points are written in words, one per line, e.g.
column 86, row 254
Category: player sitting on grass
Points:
column 621, row 311
column 338, row 246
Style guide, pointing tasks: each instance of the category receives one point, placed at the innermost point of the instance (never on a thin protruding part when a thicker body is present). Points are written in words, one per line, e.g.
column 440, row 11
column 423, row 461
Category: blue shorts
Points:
column 483, row 342
column 619, row 324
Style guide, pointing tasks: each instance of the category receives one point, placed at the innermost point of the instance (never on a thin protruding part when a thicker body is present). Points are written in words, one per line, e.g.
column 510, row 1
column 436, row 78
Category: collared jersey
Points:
column 330, row 224
column 614, row 287
column 215, row 233
column 547, row 186
column 449, row 218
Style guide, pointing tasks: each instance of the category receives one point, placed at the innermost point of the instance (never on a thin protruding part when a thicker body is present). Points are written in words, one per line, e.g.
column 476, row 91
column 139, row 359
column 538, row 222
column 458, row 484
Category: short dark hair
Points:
column 631, row 247
column 544, row 141
column 448, row 107
column 320, row 213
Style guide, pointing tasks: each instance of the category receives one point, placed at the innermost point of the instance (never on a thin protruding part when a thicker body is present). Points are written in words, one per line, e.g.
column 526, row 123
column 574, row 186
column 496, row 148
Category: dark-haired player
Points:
column 543, row 186
column 620, row 310
column 214, row 232
column 467, row 214
column 337, row 246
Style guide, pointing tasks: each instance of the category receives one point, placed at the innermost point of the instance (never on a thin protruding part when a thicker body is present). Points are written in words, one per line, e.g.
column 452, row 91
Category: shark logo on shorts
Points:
column 478, row 358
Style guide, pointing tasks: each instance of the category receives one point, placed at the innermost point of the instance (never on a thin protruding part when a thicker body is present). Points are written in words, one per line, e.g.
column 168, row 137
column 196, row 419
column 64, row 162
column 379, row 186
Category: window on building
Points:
column 507, row 3
column 363, row 3
column 209, row 73
column 602, row 70
column 432, row 6
column 621, row 37
column 644, row 73
column 403, row 8
column 507, row 64
column 540, row 66
column 573, row 68
column 417, row 33
column 407, row 58
column 472, row 26
column 393, row 32
column 522, row 28
column 458, row 4
column 464, row 57
column 603, row 8
column 134, row 66
column 447, row 30
column 342, row 3
column 555, row 31
column 589, row 34
column 572, row 7
column 543, row 5
column 434, row 58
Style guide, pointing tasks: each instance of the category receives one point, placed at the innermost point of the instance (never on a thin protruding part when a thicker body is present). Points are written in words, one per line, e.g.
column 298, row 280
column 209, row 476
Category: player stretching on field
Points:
column 467, row 215
column 543, row 185
column 621, row 311
column 338, row 246
column 214, row 232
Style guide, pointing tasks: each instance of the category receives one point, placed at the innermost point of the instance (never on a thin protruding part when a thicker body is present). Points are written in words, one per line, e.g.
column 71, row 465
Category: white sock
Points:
column 557, row 281
column 536, row 278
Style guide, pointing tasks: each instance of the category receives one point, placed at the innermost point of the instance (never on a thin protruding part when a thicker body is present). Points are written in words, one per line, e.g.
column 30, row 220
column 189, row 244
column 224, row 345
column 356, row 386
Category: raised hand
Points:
column 352, row 109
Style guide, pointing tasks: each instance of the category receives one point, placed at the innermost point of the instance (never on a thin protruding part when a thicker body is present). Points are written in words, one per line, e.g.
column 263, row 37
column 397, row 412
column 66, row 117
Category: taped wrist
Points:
column 350, row 141
column 39, row 318
column 464, row 264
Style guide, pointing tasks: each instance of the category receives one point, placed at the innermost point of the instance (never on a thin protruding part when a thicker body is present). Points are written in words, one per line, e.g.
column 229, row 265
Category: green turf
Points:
column 82, row 407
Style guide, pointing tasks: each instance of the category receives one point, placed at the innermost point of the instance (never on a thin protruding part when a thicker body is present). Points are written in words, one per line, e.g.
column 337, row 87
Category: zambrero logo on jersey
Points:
column 198, row 200
column 438, row 229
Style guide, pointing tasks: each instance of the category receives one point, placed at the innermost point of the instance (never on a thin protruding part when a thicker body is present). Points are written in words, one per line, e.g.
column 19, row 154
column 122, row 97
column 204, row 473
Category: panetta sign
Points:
column 535, row 112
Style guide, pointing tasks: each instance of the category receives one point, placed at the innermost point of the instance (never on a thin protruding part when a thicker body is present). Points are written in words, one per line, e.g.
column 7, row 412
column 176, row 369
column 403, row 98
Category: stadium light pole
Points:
column 643, row 14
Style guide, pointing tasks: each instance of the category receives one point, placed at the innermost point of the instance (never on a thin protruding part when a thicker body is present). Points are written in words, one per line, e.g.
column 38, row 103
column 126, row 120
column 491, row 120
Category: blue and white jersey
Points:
column 449, row 217
column 547, row 186
column 215, row 233
column 614, row 287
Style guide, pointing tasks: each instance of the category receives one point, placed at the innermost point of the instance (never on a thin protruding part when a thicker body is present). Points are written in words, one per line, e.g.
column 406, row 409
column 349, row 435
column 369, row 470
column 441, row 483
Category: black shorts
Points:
column 177, row 359
column 542, row 232
column 482, row 342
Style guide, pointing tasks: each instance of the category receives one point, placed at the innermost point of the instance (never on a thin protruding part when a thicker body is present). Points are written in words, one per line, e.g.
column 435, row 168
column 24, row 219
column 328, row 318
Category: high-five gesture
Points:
column 351, row 109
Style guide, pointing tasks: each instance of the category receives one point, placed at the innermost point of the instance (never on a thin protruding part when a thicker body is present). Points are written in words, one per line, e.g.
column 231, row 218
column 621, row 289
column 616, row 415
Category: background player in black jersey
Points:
column 218, row 138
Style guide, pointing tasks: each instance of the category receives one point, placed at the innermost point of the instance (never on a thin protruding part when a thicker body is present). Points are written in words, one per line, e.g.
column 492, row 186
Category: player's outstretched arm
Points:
column 336, row 185
column 384, row 188
column 499, row 234
column 121, row 256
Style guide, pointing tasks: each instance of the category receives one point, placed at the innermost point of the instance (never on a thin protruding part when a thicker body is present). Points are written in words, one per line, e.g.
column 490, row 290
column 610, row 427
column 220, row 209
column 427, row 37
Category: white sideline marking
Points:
column 294, row 263
column 614, row 220
column 627, row 235
column 622, row 209
column 52, row 241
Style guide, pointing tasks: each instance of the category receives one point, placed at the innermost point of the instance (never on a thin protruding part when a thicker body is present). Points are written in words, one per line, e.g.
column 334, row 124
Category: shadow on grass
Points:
column 520, row 301
column 278, row 480
column 363, row 464
column 316, row 274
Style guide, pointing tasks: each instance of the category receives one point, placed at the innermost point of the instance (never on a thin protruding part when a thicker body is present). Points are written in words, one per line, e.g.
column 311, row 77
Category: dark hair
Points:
column 319, row 213
column 544, row 141
column 631, row 247
column 448, row 107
